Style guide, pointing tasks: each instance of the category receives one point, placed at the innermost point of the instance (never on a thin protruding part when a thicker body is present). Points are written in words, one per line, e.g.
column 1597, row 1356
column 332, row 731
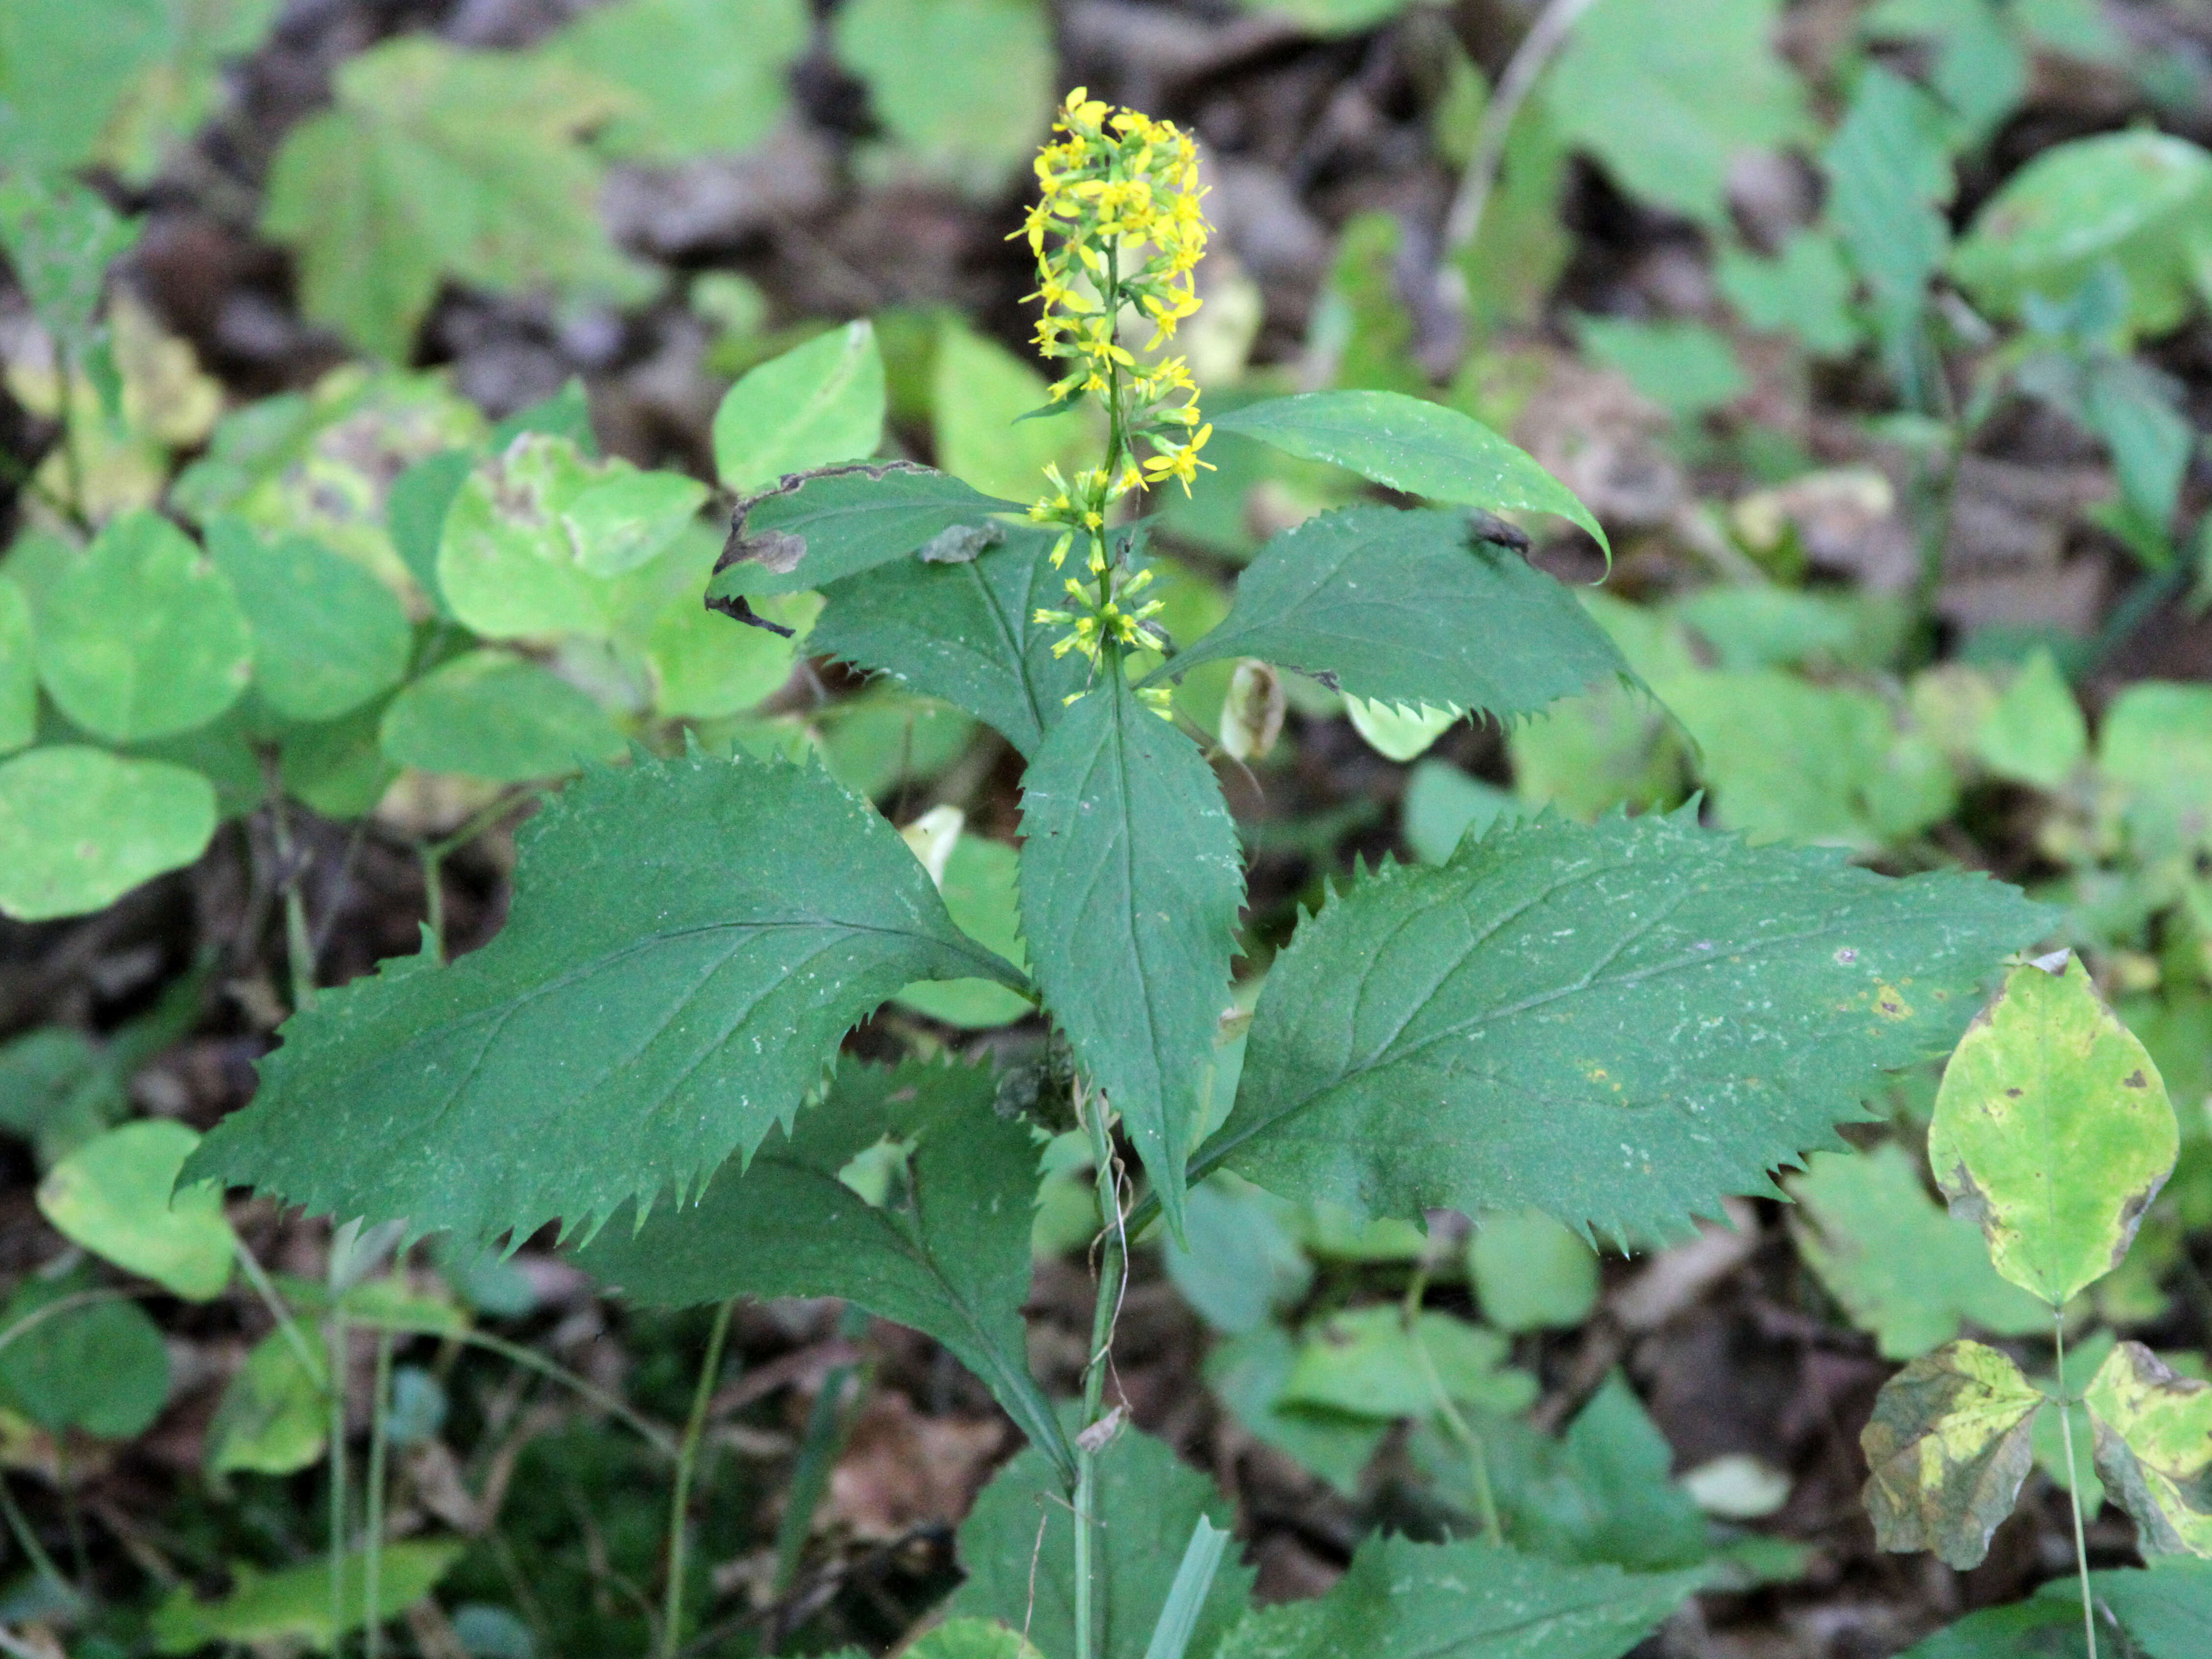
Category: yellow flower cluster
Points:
column 1117, row 228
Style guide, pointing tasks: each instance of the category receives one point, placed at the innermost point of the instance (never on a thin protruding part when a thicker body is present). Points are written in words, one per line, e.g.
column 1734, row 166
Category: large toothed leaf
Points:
column 1131, row 880
column 1402, row 1599
column 688, row 941
column 814, row 527
column 1412, row 445
column 963, row 631
column 1411, row 607
column 2154, row 1434
column 2052, row 1131
column 1947, row 1451
column 1617, row 1021
column 948, row 1253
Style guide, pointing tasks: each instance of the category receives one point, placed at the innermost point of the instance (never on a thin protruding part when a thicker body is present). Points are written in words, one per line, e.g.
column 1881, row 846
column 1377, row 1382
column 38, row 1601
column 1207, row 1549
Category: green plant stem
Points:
column 72, row 464
column 2073, row 1490
column 1113, row 1269
column 687, row 1457
column 433, row 855
column 41, row 1562
column 334, row 1339
column 380, row 1429
column 1471, row 1443
column 257, row 1276
column 299, row 940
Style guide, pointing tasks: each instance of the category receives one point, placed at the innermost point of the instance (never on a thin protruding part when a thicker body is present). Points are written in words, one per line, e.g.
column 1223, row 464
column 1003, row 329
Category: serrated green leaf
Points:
column 61, row 237
column 1131, row 880
column 80, row 827
column 1442, row 803
column 1901, row 1266
column 493, row 715
column 1144, row 1506
column 814, row 528
column 64, row 66
column 1401, row 1599
column 963, row 87
column 1421, row 448
column 142, row 636
column 440, row 162
column 274, row 1412
column 1889, row 172
column 1947, row 1451
column 2136, row 199
column 704, row 75
column 2036, row 733
column 2052, row 1131
column 113, row 1197
column 101, row 1368
column 1530, row 1273
column 1411, row 608
column 1636, row 87
column 1368, row 1363
column 665, row 992
column 327, row 635
column 19, row 670
column 294, row 1605
column 2153, row 1438
column 963, row 631
column 817, row 404
column 1617, row 1023
column 951, row 1257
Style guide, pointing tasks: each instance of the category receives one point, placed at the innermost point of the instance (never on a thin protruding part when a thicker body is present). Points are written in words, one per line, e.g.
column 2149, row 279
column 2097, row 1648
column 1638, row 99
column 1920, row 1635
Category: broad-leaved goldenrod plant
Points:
column 1619, row 1023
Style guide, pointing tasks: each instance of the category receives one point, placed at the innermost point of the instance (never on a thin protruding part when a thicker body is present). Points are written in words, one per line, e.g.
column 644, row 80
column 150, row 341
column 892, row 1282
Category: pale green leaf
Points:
column 1805, row 290
column 1247, row 1374
column 2052, row 1131
column 63, row 67
column 1530, row 1273
column 1240, row 1261
column 19, row 670
column 294, row 1605
column 168, row 101
column 102, row 1367
column 2036, row 733
column 1369, row 1363
column 704, row 668
column 327, row 635
column 142, row 636
column 813, row 528
column 1402, row 1599
column 1421, row 448
column 625, row 518
column 2136, row 199
column 275, row 1411
column 965, row 88
column 817, row 404
column 1411, row 608
column 973, row 1638
column 704, row 75
column 493, row 715
column 1901, row 1266
column 1639, row 86
column 337, row 769
column 1888, row 171
column 1788, row 760
column 1145, row 1505
column 61, row 237
column 80, row 827
column 1686, row 368
column 1617, row 1023
column 979, row 393
column 57, row 1091
column 2153, row 1439
column 415, row 507
column 947, row 1254
column 1131, row 880
column 1442, row 804
column 113, row 1196
column 964, row 630
column 2155, row 745
column 1398, row 732
column 437, row 162
column 1332, row 17
column 511, row 560
column 980, row 888
column 1947, row 1451
column 662, row 996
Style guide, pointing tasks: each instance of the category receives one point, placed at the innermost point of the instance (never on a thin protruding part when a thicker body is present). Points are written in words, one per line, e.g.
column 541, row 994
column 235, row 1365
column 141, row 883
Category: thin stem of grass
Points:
column 334, row 1341
column 380, row 1435
column 1448, row 1412
column 2074, row 1491
column 687, row 1459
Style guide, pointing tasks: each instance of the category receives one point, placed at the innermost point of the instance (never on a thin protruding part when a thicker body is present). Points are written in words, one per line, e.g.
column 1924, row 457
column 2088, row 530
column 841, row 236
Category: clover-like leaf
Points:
column 1402, row 1599
column 948, row 1256
column 19, row 670
column 816, row 405
column 80, row 827
column 274, row 1412
column 493, row 715
column 2052, row 1131
column 327, row 635
column 964, row 631
column 1947, row 1451
column 1409, row 444
column 113, row 1196
column 1131, row 880
column 2154, row 1436
column 688, row 941
column 1618, row 1022
column 1411, row 608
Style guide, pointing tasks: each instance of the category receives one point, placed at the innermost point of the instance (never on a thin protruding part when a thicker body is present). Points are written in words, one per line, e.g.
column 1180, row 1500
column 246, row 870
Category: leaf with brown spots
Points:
column 1947, row 1451
column 2154, row 1431
column 2052, row 1131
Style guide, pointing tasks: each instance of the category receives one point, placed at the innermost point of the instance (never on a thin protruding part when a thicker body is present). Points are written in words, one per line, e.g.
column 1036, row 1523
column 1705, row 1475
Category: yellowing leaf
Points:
column 2052, row 1131
column 2153, row 1432
column 1947, row 1451
column 438, row 162
column 113, row 1196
